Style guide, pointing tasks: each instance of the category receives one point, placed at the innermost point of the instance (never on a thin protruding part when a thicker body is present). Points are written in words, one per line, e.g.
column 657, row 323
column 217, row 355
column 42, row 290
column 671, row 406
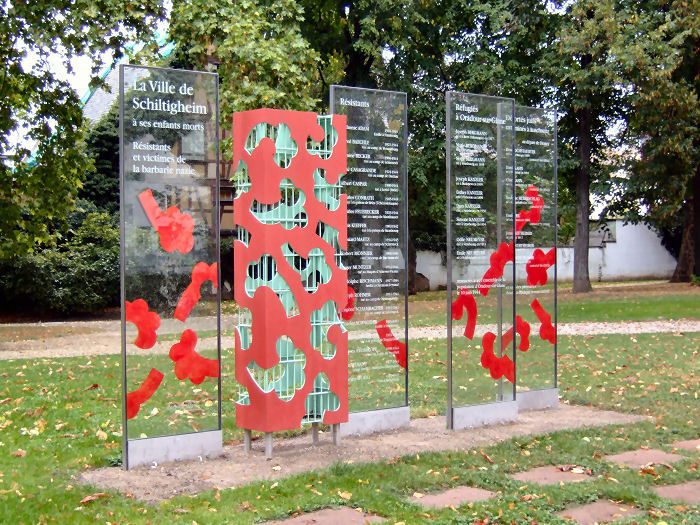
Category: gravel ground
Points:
column 103, row 337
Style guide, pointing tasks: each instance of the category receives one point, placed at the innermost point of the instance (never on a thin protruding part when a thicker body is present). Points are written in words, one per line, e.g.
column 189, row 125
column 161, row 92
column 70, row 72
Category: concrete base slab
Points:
column 360, row 423
column 486, row 414
column 340, row 516
column 173, row 448
column 550, row 475
column 640, row 458
column 692, row 445
column 456, row 496
column 602, row 511
column 537, row 399
column 685, row 492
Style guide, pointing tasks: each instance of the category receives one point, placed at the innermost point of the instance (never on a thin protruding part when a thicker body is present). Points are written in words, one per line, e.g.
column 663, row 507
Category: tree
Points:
column 262, row 59
column 41, row 112
column 663, row 183
column 590, row 94
column 353, row 35
column 426, row 49
column 476, row 47
column 101, row 185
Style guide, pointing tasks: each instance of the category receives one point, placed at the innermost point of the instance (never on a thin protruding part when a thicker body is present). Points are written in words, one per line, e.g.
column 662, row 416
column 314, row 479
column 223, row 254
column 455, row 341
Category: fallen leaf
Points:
column 94, row 497
column 418, row 494
column 345, row 494
column 486, row 457
column 575, row 469
column 19, row 453
column 660, row 463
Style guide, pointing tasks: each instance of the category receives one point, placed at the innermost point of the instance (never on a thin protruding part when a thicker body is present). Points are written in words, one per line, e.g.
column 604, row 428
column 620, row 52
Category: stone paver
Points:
column 599, row 512
column 642, row 457
column 549, row 475
column 685, row 492
column 691, row 444
column 456, row 496
column 340, row 516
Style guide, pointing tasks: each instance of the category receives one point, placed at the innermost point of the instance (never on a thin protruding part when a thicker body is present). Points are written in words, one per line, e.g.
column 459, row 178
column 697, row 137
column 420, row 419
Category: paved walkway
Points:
column 72, row 339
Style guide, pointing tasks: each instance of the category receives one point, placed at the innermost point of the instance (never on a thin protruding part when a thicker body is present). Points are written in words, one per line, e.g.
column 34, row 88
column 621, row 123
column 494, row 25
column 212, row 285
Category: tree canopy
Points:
column 41, row 124
column 622, row 74
column 261, row 57
column 661, row 185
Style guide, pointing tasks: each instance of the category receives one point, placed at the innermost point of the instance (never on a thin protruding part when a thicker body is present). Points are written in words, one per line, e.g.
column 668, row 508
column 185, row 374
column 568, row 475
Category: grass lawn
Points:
column 608, row 302
column 60, row 416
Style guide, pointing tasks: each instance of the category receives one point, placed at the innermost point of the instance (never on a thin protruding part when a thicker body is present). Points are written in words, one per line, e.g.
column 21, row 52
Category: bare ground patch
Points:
column 298, row 454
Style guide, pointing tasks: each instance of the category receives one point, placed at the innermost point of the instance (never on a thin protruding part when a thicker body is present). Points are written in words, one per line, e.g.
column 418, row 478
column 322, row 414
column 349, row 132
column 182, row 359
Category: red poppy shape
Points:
column 498, row 261
column 533, row 214
column 547, row 330
column 538, row 265
column 146, row 322
column 188, row 363
column 138, row 397
column 465, row 301
column 349, row 310
column 200, row 273
column 497, row 366
column 522, row 328
column 393, row 345
column 174, row 227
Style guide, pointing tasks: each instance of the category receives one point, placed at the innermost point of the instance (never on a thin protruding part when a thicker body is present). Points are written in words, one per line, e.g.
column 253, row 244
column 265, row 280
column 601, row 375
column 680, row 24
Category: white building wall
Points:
column 636, row 254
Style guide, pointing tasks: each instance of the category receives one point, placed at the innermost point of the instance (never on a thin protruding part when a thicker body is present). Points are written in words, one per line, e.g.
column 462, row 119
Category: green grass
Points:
column 49, row 410
column 54, row 423
column 646, row 302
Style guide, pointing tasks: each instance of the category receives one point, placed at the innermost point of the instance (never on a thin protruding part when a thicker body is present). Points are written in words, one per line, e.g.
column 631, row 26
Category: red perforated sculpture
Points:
column 286, row 272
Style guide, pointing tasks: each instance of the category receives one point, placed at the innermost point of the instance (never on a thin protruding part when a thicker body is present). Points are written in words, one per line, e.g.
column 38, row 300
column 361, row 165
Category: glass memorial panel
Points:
column 480, row 269
column 535, row 246
column 376, row 258
column 170, row 252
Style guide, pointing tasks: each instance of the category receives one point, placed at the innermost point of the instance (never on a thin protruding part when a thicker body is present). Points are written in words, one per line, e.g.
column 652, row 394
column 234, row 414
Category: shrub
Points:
column 81, row 275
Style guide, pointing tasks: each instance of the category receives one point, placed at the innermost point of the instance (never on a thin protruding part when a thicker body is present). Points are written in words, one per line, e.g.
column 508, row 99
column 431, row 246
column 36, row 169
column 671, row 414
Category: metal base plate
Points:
column 376, row 421
column 173, row 448
column 537, row 399
column 486, row 414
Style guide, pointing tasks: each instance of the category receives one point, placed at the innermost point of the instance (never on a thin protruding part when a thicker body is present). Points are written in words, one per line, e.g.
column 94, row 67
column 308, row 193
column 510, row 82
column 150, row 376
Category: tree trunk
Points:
column 582, row 282
column 686, row 257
